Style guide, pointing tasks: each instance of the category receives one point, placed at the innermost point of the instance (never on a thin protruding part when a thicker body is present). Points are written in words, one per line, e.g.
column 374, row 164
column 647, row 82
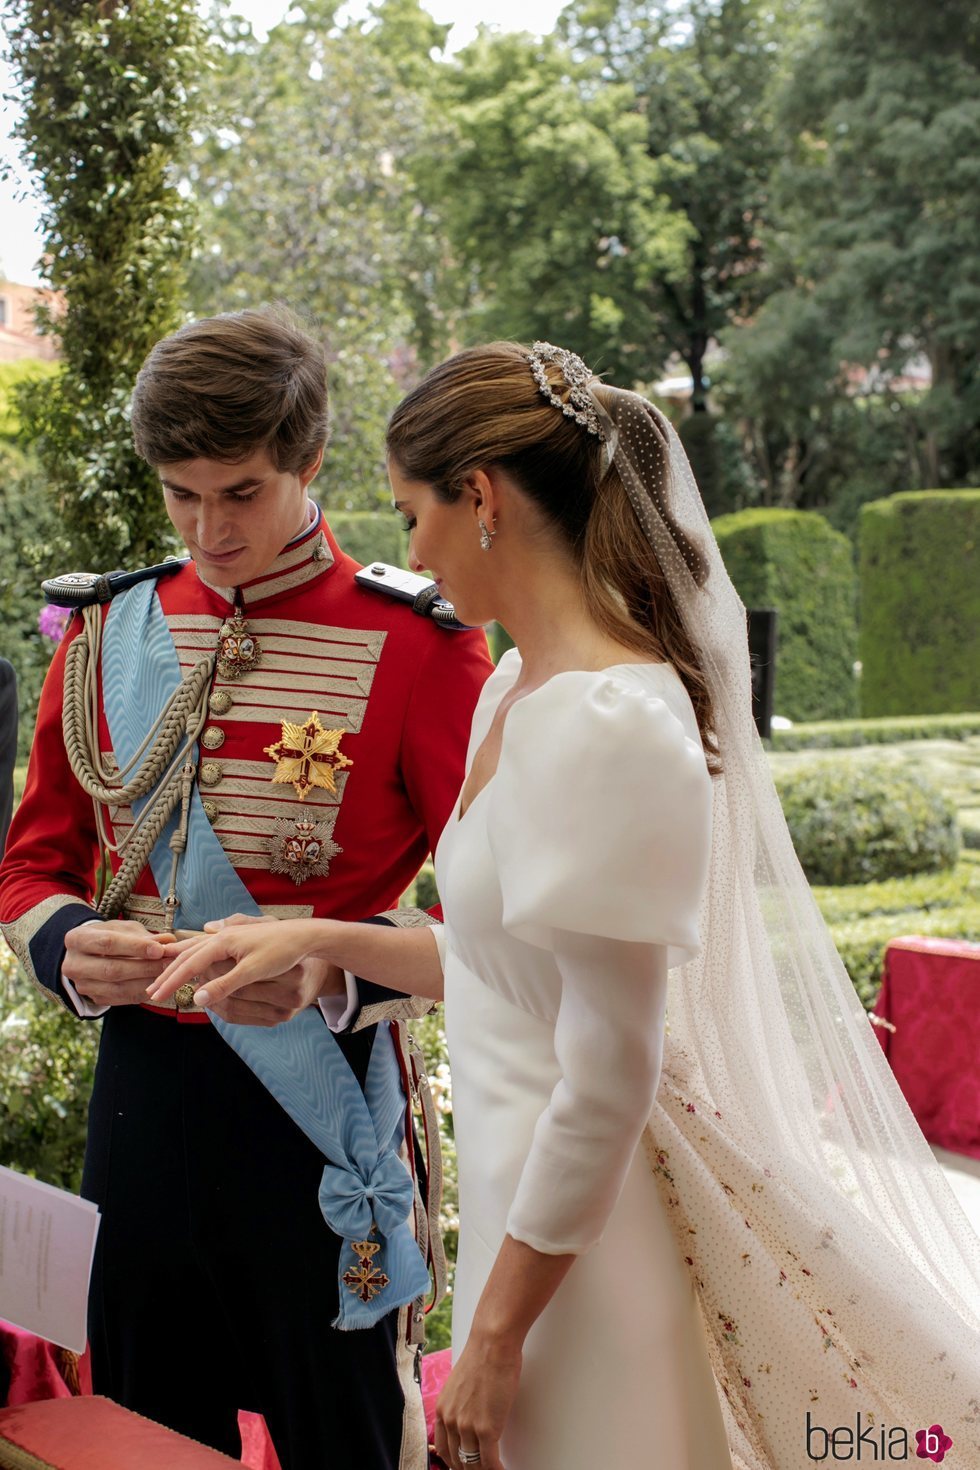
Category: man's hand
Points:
column 107, row 963
column 270, row 1002
column 261, row 1002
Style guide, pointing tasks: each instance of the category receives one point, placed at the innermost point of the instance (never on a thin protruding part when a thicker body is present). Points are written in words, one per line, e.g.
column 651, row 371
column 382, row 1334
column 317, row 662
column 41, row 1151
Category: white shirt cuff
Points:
column 338, row 1010
column 85, row 1008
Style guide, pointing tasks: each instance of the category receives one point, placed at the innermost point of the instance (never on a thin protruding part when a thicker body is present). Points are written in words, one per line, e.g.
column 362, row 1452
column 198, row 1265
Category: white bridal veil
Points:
column 838, row 1277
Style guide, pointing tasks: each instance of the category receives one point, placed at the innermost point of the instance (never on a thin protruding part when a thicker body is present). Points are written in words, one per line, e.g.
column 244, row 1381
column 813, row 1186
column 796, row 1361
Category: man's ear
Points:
column 309, row 473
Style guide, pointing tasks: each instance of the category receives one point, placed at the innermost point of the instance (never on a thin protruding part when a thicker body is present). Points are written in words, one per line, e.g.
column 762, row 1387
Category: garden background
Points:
column 763, row 215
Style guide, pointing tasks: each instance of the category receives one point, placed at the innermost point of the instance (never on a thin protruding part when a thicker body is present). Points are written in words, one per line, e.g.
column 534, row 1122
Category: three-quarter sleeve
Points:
column 600, row 825
column 609, row 1046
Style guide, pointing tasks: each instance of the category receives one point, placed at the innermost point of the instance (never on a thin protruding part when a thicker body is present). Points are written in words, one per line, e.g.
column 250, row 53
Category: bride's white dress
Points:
column 567, row 884
column 724, row 1311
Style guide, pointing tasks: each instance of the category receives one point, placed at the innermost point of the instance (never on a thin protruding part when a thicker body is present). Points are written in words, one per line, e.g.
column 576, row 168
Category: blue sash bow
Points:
column 364, row 1183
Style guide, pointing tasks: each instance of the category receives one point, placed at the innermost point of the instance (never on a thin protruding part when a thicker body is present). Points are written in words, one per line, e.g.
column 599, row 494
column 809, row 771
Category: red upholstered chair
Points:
column 930, row 1006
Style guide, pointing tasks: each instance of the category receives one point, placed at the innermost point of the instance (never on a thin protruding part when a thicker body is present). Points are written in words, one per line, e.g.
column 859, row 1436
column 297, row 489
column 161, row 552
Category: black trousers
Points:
column 215, row 1279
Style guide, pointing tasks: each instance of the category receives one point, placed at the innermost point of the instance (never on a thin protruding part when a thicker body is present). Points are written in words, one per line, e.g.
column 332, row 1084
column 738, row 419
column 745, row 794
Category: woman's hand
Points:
column 270, row 956
column 475, row 1405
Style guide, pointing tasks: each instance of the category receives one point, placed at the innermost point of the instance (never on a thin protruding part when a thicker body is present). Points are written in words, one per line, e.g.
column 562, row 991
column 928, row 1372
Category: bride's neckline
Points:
column 462, row 812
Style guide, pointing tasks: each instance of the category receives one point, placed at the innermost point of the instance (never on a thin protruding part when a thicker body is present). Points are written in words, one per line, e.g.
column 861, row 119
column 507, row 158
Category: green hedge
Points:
column 845, row 734
column 920, row 603
column 794, row 561
column 861, row 944
column 865, row 918
column 369, row 535
column 712, row 446
column 47, row 1065
column 12, row 376
column 858, row 821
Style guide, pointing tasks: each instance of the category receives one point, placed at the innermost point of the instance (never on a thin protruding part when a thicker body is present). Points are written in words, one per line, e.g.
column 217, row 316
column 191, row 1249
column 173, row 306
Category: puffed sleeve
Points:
column 600, row 822
column 600, row 814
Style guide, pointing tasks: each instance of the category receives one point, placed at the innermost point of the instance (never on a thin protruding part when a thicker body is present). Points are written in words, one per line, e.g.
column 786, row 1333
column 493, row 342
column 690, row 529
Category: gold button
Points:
column 210, row 773
column 213, row 738
column 210, row 811
column 219, row 701
column 184, row 996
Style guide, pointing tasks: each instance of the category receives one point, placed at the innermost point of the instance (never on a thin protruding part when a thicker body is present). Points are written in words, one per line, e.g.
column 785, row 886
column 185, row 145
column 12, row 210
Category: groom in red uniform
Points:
column 333, row 731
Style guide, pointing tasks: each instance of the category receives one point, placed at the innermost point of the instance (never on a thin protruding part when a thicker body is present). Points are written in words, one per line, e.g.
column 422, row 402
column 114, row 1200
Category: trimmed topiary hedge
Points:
column 864, row 919
column 794, row 561
column 920, row 603
column 857, row 821
column 861, row 944
column 370, row 535
column 845, row 734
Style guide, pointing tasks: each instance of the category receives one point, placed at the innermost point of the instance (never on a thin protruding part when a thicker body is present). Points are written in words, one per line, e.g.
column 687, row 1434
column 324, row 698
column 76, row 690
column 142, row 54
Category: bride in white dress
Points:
column 698, row 1226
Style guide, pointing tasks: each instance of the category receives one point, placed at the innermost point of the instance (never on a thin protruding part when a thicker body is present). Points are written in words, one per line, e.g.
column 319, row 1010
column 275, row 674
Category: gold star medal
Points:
column 301, row 849
column 308, row 756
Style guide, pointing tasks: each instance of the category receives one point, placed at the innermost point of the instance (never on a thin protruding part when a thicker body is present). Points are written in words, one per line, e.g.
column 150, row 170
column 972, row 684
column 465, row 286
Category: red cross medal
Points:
column 365, row 1280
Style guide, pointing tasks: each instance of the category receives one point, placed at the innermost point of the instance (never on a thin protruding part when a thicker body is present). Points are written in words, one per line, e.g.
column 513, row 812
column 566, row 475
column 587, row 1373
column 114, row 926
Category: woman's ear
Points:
column 479, row 488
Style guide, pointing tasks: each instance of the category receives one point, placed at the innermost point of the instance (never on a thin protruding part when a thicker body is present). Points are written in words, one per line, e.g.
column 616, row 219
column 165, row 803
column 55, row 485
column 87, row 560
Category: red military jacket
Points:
column 399, row 690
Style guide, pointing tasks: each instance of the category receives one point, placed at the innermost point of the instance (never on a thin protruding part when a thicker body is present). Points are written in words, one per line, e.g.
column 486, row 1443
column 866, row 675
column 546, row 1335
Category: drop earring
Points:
column 486, row 537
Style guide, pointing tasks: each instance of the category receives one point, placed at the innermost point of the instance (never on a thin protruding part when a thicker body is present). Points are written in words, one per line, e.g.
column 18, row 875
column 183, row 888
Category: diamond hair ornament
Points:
column 579, row 404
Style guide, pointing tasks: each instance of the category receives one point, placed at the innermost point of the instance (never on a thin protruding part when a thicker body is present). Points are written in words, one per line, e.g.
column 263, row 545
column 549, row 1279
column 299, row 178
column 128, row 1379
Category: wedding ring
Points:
column 468, row 1457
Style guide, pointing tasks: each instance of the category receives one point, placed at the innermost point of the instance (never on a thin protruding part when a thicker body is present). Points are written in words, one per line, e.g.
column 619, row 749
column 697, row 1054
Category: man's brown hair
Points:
column 229, row 386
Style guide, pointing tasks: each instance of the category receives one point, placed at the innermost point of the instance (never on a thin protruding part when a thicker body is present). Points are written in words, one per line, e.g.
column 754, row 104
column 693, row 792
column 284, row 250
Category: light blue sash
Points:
column 364, row 1181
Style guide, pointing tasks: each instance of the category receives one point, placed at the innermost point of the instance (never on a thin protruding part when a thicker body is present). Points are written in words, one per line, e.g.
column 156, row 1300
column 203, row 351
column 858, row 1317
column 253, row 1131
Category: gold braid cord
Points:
column 166, row 776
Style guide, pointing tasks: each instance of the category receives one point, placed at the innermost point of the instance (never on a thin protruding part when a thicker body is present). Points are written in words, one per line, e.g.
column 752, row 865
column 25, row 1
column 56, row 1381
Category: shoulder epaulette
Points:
column 84, row 589
column 421, row 594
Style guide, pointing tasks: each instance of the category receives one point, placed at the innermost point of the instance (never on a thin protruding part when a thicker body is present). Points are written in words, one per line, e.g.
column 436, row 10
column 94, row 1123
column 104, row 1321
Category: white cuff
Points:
column 438, row 932
column 338, row 1010
column 85, row 1008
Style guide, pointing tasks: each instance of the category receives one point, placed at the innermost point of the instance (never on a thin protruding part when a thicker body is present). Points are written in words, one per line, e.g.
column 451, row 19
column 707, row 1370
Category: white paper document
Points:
column 47, row 1241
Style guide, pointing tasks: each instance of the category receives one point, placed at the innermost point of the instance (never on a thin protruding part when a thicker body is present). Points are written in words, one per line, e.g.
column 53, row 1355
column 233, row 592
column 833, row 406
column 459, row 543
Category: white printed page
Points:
column 47, row 1241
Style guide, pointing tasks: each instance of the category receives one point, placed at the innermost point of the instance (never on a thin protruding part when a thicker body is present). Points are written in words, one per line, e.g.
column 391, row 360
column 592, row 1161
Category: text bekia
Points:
column 871, row 1443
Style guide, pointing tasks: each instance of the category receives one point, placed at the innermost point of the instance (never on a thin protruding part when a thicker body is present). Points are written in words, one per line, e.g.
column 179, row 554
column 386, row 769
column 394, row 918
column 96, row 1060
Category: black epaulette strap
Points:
column 421, row 594
column 84, row 589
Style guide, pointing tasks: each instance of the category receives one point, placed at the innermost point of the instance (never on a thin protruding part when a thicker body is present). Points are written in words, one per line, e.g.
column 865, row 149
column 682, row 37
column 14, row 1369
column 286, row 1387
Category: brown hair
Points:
column 482, row 407
column 228, row 386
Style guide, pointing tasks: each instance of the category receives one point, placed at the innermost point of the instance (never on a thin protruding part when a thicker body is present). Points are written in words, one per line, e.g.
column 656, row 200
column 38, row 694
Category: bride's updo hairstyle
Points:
column 483, row 407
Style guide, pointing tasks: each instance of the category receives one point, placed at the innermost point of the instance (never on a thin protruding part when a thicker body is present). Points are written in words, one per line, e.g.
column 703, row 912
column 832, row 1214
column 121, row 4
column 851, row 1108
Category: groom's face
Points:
column 235, row 519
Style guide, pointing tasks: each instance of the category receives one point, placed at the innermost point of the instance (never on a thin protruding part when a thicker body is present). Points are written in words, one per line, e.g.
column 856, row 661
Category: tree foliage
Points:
column 28, row 531
column 702, row 73
column 544, row 179
column 306, row 197
column 110, row 94
column 877, row 205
